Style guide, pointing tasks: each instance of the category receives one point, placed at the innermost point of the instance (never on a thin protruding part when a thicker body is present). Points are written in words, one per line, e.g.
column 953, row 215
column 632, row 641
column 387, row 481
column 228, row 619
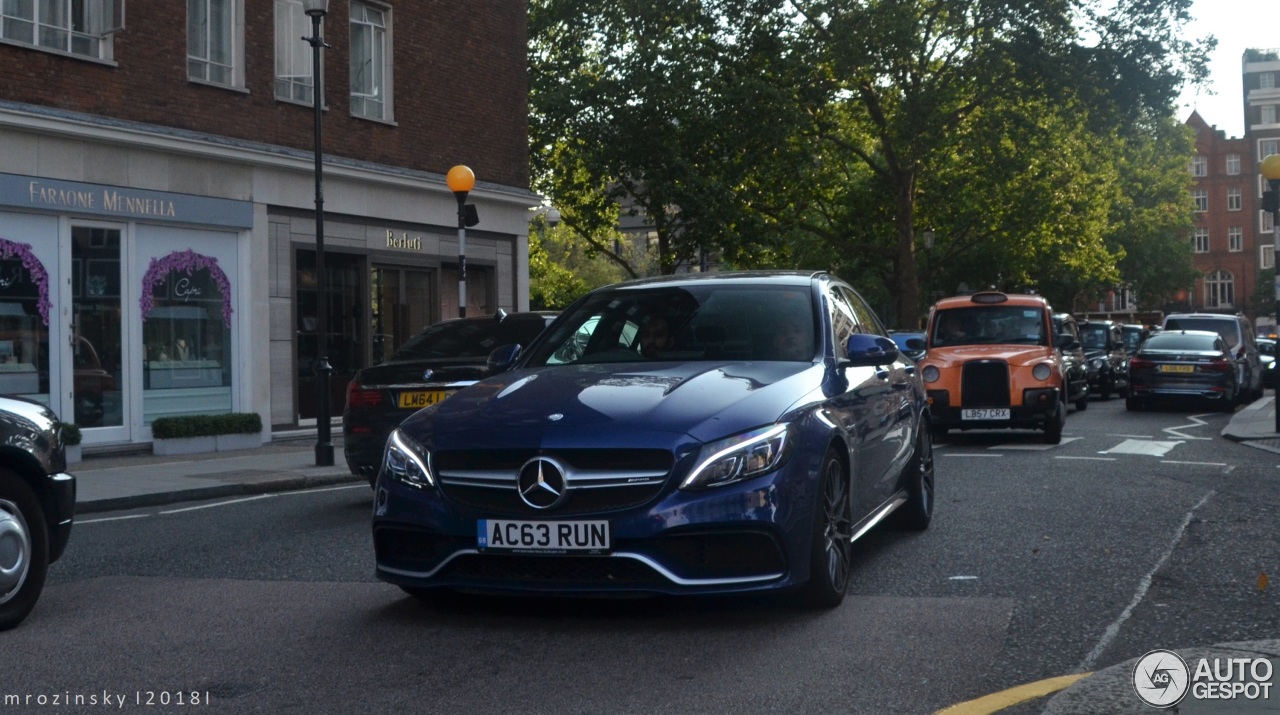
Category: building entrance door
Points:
column 402, row 305
column 97, row 345
column 345, row 296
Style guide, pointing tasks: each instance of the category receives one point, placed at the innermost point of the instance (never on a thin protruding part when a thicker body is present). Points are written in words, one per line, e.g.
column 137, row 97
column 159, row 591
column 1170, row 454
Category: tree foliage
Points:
column 1033, row 137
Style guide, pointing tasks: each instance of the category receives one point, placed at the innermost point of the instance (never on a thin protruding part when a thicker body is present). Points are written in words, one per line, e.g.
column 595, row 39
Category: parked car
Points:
column 910, row 343
column 777, row 425
column 37, row 504
column 429, row 367
column 1183, row 367
column 1074, row 365
column 991, row 363
column 1241, row 341
column 1267, row 357
column 1134, row 334
column 1106, row 358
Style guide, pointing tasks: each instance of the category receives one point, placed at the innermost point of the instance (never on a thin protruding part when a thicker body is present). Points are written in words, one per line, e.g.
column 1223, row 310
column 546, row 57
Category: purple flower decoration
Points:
column 189, row 262
column 12, row 249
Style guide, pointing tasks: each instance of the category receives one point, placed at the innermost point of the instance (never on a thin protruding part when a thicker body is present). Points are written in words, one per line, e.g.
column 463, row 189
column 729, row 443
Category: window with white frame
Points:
column 1266, row 256
column 1266, row 225
column 1235, row 239
column 1268, row 114
column 1267, row 147
column 1199, row 165
column 293, row 54
column 1233, row 164
column 1234, row 200
column 1219, row 290
column 370, row 61
column 78, row 27
column 1201, row 197
column 215, row 48
column 1202, row 240
column 1266, row 80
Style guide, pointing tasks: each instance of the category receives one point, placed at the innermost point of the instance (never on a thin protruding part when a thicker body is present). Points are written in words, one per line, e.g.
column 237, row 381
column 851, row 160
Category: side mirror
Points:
column 869, row 351
column 502, row 357
column 915, row 344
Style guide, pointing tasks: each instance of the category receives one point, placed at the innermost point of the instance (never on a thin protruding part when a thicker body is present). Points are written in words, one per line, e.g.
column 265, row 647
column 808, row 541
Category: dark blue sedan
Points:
column 721, row 433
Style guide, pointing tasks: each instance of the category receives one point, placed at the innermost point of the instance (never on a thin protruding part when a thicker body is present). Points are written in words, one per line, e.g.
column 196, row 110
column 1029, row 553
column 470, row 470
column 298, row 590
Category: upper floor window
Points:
column 215, row 50
column 370, row 61
column 1268, row 114
column 1202, row 240
column 1267, row 147
column 1199, row 165
column 1266, row 80
column 1233, row 164
column 1201, row 197
column 1233, row 199
column 293, row 54
column 1266, row 256
column 78, row 27
column 1235, row 239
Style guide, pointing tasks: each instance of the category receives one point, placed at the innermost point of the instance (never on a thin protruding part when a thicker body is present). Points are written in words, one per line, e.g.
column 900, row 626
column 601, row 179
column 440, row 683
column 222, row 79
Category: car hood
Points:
column 443, row 370
column 1095, row 352
column 1012, row 354
column 633, row 403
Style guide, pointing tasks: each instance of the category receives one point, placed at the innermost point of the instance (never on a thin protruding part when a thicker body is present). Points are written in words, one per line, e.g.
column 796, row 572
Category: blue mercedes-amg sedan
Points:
column 713, row 433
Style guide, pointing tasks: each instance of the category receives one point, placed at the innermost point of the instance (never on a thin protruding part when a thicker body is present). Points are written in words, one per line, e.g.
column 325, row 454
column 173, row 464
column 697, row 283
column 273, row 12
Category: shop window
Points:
column 186, row 335
column 24, row 323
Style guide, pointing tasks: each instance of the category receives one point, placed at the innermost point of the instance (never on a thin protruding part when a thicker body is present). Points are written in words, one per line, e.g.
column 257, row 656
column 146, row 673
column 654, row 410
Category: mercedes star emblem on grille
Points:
column 541, row 483
column 426, row 374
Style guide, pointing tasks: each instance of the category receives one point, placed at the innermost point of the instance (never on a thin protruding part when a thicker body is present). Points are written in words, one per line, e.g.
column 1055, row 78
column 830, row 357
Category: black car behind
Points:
column 1106, row 357
column 432, row 365
column 37, row 503
column 1185, row 368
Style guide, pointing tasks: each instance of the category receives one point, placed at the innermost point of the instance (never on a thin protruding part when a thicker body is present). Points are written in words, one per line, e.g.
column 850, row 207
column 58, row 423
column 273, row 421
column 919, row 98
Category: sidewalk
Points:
column 110, row 482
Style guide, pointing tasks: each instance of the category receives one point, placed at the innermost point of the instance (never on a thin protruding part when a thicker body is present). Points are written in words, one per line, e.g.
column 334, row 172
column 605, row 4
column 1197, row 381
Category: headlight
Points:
column 406, row 460
column 1041, row 371
column 1096, row 363
column 743, row 456
column 930, row 373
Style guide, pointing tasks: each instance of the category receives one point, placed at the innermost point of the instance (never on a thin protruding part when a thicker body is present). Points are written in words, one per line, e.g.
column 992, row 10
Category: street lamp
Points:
column 461, row 180
column 317, row 9
column 1271, row 201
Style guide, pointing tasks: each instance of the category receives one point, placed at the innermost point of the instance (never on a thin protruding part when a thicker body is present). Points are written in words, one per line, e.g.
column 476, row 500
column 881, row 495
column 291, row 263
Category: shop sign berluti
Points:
column 403, row 241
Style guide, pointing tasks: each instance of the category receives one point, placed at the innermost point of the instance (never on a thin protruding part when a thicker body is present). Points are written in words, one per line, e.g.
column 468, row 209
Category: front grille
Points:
column 985, row 383
column 583, row 571
column 607, row 479
column 709, row 554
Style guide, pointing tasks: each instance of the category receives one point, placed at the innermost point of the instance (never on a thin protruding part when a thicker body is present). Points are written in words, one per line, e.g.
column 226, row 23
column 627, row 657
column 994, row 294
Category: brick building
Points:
column 157, row 197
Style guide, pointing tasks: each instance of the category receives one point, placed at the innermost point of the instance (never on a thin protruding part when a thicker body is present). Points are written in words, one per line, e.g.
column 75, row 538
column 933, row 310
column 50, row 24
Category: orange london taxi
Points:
column 992, row 363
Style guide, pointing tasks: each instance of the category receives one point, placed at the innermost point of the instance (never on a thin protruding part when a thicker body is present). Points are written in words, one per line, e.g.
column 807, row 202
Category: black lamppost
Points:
column 324, row 446
column 1271, row 201
column 461, row 180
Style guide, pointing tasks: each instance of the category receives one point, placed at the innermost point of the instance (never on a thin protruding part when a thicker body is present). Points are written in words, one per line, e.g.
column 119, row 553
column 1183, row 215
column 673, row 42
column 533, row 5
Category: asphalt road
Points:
column 1141, row 531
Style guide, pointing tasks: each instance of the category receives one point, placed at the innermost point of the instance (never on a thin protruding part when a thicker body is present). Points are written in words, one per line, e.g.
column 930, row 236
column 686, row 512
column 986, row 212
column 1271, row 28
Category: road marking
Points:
column 962, row 578
column 221, row 503
column 1196, row 422
column 1148, row 448
column 1198, row 464
column 1143, row 586
column 110, row 518
column 1133, row 436
column 996, row 702
column 971, row 454
column 323, row 489
column 1035, row 447
column 1095, row 459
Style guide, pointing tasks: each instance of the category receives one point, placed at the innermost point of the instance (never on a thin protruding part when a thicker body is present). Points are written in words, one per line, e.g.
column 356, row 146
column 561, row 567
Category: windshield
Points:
column 469, row 338
column 1094, row 336
column 990, row 325
column 1181, row 342
column 1225, row 326
column 1132, row 336
column 714, row 322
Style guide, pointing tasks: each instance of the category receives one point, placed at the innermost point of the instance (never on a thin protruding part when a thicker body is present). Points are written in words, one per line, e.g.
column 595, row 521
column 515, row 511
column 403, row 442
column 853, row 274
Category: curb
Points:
column 281, row 484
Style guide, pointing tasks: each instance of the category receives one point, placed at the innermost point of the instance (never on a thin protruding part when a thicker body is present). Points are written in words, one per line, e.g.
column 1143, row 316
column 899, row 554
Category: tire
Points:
column 830, row 547
column 1082, row 404
column 918, row 476
column 1053, row 427
column 24, row 550
column 1105, row 387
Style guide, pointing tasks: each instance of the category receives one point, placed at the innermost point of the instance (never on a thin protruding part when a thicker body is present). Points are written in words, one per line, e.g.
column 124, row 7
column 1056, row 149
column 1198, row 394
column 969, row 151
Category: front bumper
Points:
column 62, row 502
column 1042, row 406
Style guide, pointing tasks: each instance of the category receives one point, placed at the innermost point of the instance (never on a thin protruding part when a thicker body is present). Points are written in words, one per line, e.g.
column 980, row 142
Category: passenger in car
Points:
column 791, row 340
column 952, row 329
column 655, row 336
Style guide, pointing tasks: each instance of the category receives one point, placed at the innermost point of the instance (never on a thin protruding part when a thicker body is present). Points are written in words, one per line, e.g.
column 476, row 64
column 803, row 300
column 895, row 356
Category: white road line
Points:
column 971, row 454
column 1198, row 464
column 1144, row 585
column 110, row 518
column 364, row 486
column 1196, row 422
column 1133, row 436
column 221, row 503
column 1035, row 447
column 1095, row 459
column 1149, row 448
